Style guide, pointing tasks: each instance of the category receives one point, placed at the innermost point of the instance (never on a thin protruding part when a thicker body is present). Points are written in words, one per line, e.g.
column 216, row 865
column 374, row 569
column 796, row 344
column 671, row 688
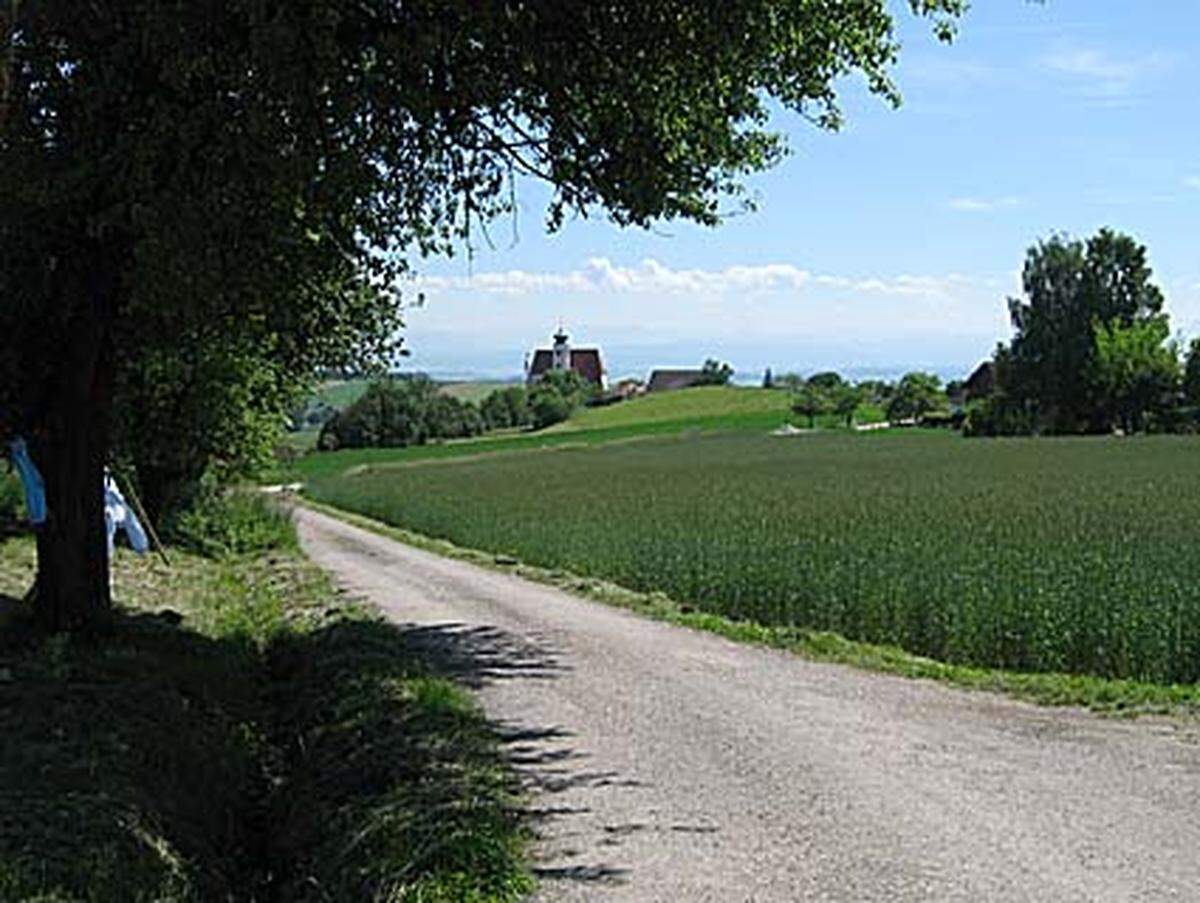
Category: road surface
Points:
column 668, row 764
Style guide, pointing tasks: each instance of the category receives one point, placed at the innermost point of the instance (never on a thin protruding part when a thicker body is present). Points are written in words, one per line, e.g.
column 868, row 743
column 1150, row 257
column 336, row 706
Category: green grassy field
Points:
column 340, row 393
column 1073, row 555
column 473, row 391
column 706, row 410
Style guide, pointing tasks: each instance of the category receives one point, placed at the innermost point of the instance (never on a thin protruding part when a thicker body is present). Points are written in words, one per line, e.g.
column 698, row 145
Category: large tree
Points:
column 1070, row 287
column 198, row 192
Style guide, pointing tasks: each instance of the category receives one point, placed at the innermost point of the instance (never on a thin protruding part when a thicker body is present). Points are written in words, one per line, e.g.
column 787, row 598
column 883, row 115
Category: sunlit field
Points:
column 1075, row 555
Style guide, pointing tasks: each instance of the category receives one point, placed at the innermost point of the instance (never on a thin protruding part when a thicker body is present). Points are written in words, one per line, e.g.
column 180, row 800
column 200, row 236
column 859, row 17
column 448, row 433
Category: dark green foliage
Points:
column 1076, row 555
column 557, row 395
column 218, row 524
column 915, row 395
column 1191, row 375
column 715, row 373
column 768, row 381
column 810, row 400
column 997, row 416
column 877, row 391
column 396, row 412
column 1071, row 287
column 506, row 408
column 548, row 407
column 846, row 399
column 827, row 381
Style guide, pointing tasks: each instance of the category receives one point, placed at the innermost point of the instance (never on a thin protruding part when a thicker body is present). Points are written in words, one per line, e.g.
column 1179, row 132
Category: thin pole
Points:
column 141, row 512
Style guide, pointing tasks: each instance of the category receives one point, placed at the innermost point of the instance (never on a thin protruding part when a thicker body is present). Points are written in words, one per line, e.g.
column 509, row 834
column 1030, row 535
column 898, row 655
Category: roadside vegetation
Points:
column 1074, row 556
column 240, row 732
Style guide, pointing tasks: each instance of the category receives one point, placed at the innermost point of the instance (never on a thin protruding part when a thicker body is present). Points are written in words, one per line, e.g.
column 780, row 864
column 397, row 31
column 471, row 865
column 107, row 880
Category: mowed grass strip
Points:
column 241, row 733
column 1073, row 555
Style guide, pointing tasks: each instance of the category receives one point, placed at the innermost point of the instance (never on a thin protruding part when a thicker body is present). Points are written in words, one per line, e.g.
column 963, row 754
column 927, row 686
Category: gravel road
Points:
column 667, row 764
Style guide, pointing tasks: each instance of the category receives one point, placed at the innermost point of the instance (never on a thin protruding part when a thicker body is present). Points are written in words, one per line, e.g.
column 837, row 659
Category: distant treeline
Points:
column 412, row 410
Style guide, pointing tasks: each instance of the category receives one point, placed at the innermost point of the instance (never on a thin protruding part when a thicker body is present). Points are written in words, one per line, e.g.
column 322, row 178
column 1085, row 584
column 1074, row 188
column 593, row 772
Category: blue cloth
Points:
column 119, row 516
column 31, row 480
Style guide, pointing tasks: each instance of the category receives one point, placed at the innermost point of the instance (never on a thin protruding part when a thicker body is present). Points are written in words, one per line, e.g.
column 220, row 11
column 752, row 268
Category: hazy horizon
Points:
column 889, row 246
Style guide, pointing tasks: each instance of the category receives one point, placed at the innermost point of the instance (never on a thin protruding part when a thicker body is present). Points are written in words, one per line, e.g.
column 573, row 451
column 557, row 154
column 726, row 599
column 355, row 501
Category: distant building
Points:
column 981, row 383
column 587, row 362
column 628, row 388
column 666, row 380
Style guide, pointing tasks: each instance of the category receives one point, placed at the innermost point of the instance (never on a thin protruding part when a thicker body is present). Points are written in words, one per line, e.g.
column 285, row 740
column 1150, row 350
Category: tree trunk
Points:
column 70, row 446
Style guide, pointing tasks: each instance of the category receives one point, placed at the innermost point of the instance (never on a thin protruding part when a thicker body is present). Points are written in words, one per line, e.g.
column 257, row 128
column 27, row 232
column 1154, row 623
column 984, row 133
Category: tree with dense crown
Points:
column 1070, row 287
column 224, row 193
column 916, row 395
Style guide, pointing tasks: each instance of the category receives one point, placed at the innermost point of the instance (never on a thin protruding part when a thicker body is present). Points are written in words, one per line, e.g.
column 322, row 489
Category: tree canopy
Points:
column 1071, row 286
column 224, row 193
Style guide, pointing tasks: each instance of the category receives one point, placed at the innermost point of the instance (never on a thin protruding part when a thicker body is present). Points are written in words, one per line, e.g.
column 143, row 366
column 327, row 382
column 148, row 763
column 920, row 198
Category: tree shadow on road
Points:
column 544, row 757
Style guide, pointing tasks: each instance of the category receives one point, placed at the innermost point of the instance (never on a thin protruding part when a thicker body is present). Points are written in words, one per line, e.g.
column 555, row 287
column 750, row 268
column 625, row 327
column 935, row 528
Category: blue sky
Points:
column 890, row 245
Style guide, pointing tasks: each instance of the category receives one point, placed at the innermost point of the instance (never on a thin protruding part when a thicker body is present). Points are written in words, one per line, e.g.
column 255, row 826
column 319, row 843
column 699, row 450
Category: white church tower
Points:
column 561, row 350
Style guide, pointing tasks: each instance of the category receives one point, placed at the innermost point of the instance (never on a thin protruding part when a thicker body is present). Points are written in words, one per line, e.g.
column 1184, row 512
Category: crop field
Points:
column 1074, row 555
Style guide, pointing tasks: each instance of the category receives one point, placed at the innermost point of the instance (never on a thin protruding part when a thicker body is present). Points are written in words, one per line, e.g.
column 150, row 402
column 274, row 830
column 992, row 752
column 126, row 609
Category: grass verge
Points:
column 241, row 734
column 1102, row 695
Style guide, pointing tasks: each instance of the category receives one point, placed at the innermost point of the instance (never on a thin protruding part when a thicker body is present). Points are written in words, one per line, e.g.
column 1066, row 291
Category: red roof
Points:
column 584, row 361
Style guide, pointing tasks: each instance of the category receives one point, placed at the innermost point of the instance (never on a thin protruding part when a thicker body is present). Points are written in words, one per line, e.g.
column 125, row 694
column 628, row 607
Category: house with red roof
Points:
column 587, row 362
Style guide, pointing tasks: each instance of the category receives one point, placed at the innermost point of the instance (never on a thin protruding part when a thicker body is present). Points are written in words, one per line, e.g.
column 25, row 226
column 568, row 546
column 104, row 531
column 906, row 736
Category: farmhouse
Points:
column 981, row 383
column 665, row 380
column 587, row 362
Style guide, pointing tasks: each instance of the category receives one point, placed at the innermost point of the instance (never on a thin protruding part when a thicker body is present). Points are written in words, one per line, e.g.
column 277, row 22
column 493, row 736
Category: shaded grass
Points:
column 213, row 746
column 1101, row 695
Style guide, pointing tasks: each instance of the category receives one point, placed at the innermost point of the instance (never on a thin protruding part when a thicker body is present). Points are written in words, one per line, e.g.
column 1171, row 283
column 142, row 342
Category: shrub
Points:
column 506, row 408
column 232, row 523
column 548, row 407
column 997, row 416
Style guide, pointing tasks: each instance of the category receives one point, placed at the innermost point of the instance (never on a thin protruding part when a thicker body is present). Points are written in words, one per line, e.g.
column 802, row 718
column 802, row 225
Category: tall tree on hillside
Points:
column 1070, row 286
column 183, row 181
column 715, row 373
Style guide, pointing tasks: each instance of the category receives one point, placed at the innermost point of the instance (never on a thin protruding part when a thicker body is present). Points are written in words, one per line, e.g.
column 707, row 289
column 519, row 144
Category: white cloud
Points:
column 1108, row 77
column 984, row 205
column 601, row 276
column 1192, row 182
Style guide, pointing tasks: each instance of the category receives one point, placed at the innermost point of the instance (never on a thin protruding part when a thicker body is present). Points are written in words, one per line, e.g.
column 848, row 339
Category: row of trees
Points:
column 412, row 410
column 913, row 397
column 1092, row 350
column 397, row 412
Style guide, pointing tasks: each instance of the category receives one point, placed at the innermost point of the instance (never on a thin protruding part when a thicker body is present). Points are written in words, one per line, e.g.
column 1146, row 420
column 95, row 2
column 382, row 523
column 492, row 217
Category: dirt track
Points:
column 666, row 764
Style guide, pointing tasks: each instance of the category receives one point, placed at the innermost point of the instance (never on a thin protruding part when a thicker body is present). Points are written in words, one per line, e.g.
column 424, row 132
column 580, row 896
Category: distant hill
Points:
column 730, row 407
